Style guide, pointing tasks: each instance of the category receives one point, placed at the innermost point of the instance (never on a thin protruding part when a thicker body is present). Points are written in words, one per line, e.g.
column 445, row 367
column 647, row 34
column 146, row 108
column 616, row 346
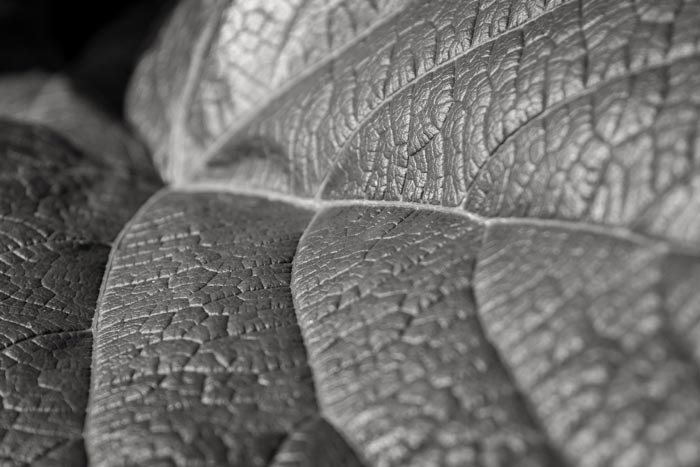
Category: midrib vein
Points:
column 318, row 205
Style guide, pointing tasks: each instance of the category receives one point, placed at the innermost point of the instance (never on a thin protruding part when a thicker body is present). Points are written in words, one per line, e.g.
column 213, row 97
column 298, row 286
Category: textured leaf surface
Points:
column 198, row 356
column 401, row 363
column 58, row 213
column 595, row 340
column 221, row 59
column 457, row 233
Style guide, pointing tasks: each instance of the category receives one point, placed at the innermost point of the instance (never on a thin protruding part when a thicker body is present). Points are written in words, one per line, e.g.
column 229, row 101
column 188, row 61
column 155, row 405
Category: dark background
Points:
column 95, row 42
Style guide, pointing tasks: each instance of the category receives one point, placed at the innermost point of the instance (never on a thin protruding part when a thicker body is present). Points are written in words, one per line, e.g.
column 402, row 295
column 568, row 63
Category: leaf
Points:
column 58, row 212
column 506, row 227
column 403, row 233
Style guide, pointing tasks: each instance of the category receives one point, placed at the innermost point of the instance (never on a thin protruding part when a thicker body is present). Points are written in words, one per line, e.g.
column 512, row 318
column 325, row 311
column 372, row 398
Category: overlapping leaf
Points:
column 198, row 356
column 59, row 211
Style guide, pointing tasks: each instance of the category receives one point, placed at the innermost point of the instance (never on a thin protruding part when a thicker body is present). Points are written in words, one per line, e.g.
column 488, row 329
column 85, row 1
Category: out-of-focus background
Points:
column 96, row 43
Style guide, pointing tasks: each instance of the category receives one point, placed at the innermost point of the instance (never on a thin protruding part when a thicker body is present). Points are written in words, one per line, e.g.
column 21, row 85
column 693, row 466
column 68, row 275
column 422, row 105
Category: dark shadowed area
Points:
column 97, row 43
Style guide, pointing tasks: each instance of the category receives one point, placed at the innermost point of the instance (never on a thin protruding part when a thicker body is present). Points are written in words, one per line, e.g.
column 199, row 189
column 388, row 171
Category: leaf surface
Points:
column 406, row 233
column 58, row 213
column 594, row 338
column 401, row 363
column 198, row 357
